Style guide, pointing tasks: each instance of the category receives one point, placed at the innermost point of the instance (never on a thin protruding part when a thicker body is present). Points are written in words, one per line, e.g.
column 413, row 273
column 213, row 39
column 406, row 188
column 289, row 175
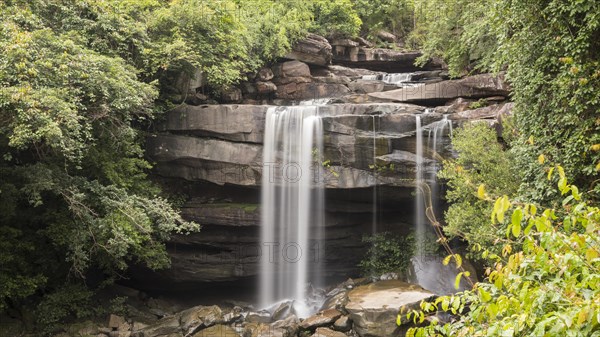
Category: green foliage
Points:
column 273, row 26
column 336, row 19
column 74, row 190
column 550, row 287
column 478, row 104
column 481, row 162
column 457, row 31
column 553, row 60
column 388, row 253
column 69, row 301
column 395, row 16
column 550, row 52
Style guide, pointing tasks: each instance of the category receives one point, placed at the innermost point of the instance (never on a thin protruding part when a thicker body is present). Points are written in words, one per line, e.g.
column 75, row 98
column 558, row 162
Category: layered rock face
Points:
column 212, row 153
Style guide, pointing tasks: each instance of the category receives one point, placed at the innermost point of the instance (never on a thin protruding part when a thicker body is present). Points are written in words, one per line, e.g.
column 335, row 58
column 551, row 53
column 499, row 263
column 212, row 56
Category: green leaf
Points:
column 575, row 193
column 517, row 216
column 562, row 185
column 484, row 295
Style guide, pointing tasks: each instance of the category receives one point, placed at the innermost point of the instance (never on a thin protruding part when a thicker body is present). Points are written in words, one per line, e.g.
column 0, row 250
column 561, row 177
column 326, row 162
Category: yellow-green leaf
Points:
column 541, row 159
column 550, row 171
column 446, row 260
column 517, row 216
column 484, row 295
column 591, row 254
column 481, row 192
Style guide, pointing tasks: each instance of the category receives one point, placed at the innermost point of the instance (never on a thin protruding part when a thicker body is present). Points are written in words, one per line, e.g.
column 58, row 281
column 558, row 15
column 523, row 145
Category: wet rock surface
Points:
column 371, row 309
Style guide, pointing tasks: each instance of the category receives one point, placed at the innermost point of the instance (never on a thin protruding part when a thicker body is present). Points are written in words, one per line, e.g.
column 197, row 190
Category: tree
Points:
column 74, row 185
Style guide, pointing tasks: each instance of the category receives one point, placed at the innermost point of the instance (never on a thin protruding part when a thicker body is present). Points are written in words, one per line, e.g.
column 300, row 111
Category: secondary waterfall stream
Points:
column 292, row 206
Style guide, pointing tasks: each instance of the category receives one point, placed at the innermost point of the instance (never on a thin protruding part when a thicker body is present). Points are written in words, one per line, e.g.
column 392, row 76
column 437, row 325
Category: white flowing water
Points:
column 399, row 79
column 419, row 192
column 374, row 210
column 437, row 131
column 292, row 206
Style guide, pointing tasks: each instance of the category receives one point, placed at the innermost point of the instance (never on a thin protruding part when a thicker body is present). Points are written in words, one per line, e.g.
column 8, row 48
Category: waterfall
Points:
column 292, row 206
column 436, row 131
column 419, row 192
column 374, row 210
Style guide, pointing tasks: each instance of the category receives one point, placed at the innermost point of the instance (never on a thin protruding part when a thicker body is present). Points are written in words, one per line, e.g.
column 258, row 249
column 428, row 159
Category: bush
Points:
column 388, row 253
column 550, row 287
column 481, row 160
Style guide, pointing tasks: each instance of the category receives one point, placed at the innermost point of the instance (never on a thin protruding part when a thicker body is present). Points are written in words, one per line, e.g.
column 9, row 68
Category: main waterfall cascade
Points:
column 292, row 207
column 420, row 195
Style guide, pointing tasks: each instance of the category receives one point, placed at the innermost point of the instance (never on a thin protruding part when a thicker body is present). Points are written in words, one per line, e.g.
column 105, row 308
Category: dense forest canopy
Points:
column 82, row 80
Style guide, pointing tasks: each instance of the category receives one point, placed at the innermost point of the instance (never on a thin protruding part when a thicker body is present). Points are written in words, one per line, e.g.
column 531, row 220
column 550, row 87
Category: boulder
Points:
column 200, row 317
column 366, row 86
column 231, row 95
column 386, row 36
column 322, row 318
column 285, row 310
column 292, row 69
column 313, row 49
column 455, row 105
column 363, row 42
column 286, row 327
column 264, row 88
column 373, row 308
column 188, row 83
column 283, row 328
column 265, row 74
column 163, row 328
column 116, row 323
column 326, row 332
column 477, row 86
column 258, row 317
column 343, row 324
column 218, row 330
